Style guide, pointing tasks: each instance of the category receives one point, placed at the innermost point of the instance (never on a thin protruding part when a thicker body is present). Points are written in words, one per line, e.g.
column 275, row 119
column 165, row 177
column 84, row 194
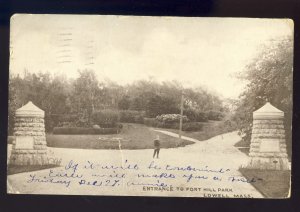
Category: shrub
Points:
column 124, row 103
column 171, row 118
column 151, row 122
column 202, row 117
column 50, row 122
column 106, row 118
column 191, row 114
column 192, row 126
column 55, row 120
column 196, row 116
column 157, row 105
column 188, row 126
column 84, row 131
column 215, row 115
column 82, row 122
column 132, row 116
column 70, row 120
column 67, row 118
column 168, row 125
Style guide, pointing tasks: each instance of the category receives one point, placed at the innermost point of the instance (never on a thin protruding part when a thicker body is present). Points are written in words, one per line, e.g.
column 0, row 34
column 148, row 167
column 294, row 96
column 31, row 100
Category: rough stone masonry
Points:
column 29, row 146
column 268, row 145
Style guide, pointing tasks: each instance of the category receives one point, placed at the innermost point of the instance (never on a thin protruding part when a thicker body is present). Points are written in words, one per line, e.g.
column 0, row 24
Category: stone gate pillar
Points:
column 29, row 146
column 268, row 145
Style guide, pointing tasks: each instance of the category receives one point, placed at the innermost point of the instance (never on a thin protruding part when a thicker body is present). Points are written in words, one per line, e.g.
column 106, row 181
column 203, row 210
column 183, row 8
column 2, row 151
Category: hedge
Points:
column 215, row 115
column 171, row 118
column 106, row 118
column 188, row 126
column 84, row 131
column 64, row 120
column 151, row 122
column 196, row 116
column 192, row 126
column 132, row 116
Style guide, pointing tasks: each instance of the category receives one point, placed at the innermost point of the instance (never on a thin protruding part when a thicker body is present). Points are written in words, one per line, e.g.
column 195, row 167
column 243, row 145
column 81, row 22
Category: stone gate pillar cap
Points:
column 268, row 111
column 30, row 110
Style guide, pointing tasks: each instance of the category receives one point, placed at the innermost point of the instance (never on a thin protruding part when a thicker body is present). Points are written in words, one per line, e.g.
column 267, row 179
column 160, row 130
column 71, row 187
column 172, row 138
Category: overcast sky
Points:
column 193, row 51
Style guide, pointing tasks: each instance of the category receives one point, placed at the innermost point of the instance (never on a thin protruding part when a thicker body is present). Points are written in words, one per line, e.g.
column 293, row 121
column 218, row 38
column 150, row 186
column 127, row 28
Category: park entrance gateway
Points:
column 268, row 145
column 29, row 146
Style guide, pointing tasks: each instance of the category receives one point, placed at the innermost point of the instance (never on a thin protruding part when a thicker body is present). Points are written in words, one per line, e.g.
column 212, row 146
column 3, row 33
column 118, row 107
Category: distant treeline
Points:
column 80, row 98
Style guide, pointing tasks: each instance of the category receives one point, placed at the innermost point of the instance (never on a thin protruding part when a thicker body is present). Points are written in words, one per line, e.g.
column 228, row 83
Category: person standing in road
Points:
column 156, row 146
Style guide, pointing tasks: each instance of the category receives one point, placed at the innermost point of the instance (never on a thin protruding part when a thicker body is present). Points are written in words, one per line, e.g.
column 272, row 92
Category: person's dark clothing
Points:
column 156, row 148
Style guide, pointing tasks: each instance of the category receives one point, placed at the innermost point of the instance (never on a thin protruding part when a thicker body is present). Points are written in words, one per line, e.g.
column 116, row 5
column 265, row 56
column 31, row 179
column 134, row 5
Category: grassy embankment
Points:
column 210, row 129
column 132, row 136
column 273, row 183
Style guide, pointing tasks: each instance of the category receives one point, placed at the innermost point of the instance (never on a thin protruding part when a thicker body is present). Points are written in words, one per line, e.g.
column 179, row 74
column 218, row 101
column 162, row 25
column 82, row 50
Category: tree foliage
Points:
column 86, row 94
column 269, row 78
column 48, row 93
column 62, row 99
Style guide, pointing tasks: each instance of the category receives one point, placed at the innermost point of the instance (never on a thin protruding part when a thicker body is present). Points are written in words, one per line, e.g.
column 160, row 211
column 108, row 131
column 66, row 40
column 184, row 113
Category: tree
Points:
column 124, row 103
column 48, row 93
column 158, row 105
column 86, row 95
column 269, row 78
column 13, row 100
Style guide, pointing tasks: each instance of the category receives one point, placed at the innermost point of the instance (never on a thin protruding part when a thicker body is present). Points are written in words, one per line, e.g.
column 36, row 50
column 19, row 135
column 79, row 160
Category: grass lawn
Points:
column 244, row 150
column 15, row 169
column 134, row 136
column 243, row 146
column 274, row 183
column 242, row 143
column 210, row 129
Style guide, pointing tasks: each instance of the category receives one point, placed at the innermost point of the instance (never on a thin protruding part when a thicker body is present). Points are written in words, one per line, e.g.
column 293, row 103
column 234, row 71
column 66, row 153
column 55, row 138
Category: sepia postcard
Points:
column 150, row 106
